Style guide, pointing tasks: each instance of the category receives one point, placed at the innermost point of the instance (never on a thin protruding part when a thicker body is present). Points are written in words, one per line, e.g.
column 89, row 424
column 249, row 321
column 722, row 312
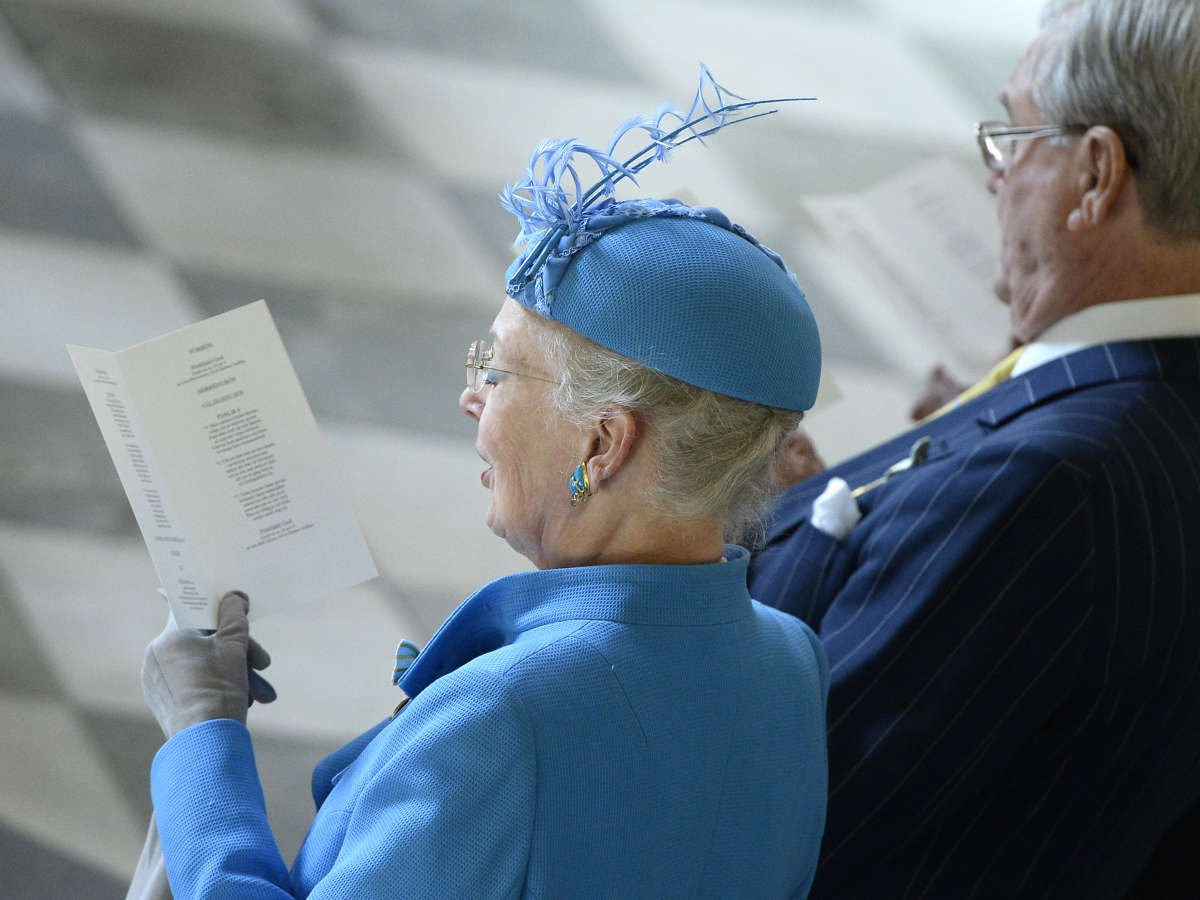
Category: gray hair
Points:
column 714, row 456
column 1133, row 65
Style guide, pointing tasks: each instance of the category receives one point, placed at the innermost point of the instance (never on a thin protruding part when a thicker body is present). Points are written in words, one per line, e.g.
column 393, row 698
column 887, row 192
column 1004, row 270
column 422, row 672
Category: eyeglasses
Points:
column 479, row 354
column 997, row 140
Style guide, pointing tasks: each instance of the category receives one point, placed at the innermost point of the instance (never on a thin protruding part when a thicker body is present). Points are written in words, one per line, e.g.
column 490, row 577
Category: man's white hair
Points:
column 1133, row 65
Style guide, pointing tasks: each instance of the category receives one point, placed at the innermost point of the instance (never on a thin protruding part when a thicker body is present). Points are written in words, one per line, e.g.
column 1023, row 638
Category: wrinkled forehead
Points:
column 514, row 333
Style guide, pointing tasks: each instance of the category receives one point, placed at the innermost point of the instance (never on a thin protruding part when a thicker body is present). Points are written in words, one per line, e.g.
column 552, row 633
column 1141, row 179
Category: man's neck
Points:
column 1121, row 320
column 1143, row 263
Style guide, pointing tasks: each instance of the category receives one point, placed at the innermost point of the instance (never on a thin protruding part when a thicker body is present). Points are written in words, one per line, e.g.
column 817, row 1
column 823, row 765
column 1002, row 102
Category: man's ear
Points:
column 1104, row 173
column 612, row 438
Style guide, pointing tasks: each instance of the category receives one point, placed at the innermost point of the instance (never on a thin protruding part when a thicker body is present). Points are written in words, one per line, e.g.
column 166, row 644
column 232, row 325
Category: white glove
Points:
column 836, row 511
column 191, row 676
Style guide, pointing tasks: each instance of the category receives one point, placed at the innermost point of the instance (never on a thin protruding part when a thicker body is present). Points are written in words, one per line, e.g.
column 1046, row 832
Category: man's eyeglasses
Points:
column 479, row 355
column 998, row 140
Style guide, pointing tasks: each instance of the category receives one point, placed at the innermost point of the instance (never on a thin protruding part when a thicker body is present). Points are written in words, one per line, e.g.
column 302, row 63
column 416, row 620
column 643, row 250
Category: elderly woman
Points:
column 624, row 720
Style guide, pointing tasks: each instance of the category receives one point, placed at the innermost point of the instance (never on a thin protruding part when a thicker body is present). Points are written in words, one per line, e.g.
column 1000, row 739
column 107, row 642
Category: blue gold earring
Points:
column 581, row 488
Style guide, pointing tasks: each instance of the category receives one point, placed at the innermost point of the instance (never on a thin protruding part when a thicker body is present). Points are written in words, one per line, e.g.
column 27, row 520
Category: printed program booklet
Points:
column 229, row 478
column 917, row 258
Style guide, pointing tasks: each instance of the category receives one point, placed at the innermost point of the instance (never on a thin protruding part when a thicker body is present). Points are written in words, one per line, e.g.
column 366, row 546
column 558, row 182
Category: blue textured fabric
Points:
column 603, row 731
column 1013, row 632
column 678, row 288
column 686, row 292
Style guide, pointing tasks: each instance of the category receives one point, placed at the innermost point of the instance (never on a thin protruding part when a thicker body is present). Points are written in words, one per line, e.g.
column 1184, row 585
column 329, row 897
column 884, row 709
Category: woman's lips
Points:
column 485, row 477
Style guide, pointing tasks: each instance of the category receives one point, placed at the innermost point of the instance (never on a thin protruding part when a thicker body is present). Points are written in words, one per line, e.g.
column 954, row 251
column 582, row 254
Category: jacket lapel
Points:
column 1102, row 364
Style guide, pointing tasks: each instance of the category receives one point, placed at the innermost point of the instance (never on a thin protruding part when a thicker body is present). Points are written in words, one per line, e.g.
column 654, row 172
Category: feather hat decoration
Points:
column 678, row 288
column 552, row 219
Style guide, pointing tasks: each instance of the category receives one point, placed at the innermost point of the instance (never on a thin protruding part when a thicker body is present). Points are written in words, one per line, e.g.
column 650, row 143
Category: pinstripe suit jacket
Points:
column 1013, row 632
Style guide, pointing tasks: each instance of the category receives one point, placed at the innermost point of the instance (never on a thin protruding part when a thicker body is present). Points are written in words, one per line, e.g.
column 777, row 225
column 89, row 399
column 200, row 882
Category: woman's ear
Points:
column 612, row 441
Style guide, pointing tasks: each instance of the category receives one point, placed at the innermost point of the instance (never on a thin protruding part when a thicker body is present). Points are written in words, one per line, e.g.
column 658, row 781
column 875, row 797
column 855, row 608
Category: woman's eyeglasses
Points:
column 479, row 355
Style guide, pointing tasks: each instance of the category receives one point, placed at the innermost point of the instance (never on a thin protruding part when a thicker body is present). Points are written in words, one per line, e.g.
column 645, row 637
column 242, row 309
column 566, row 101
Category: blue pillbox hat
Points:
column 678, row 288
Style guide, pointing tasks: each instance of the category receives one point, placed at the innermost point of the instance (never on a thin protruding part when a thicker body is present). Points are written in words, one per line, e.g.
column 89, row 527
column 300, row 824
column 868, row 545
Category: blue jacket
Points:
column 1013, row 632
column 622, row 731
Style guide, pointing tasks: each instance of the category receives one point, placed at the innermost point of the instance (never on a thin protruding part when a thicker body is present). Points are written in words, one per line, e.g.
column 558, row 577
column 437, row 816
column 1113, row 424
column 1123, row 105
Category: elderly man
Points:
column 1013, row 626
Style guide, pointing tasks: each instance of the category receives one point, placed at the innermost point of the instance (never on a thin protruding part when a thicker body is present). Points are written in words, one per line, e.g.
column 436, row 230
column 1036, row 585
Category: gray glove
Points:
column 191, row 676
column 150, row 877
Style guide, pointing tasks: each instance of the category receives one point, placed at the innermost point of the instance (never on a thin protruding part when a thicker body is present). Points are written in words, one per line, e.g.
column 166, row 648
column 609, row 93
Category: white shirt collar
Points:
column 1122, row 320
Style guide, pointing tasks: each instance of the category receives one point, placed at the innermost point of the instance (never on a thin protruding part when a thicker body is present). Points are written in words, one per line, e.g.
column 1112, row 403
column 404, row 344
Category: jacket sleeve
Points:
column 800, row 572
column 445, row 811
column 952, row 617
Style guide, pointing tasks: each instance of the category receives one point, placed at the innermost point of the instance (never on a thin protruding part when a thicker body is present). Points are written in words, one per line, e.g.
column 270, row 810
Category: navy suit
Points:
column 1013, row 632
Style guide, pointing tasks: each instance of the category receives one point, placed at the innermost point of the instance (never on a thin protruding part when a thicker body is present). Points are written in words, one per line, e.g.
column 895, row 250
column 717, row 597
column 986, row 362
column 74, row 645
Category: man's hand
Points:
column 191, row 676
column 798, row 458
column 939, row 389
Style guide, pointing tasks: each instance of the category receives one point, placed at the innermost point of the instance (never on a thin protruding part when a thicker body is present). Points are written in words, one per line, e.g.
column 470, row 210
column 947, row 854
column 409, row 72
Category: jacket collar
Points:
column 498, row 612
column 1104, row 363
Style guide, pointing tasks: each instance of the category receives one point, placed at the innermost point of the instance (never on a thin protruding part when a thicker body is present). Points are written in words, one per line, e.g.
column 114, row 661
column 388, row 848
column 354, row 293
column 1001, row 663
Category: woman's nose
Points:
column 993, row 180
column 470, row 401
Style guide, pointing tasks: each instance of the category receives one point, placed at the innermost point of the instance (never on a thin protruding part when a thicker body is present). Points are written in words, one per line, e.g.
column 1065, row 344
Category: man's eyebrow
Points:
column 1003, row 98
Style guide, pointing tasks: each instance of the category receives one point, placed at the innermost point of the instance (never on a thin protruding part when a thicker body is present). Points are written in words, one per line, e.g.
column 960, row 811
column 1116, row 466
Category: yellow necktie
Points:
column 1000, row 372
